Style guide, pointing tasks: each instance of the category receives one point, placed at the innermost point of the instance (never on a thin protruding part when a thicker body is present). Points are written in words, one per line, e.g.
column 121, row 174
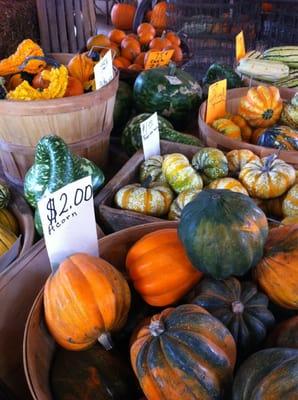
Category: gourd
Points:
column 262, row 106
column 159, row 268
column 289, row 115
column 177, row 101
column 85, row 299
column 285, row 334
column 74, row 87
column 93, row 374
column 81, row 66
column 268, row 177
column 237, row 159
column 123, row 106
column 223, row 232
column 7, row 239
column 279, row 137
column 211, row 162
column 131, row 138
column 268, row 374
column 228, row 184
column 9, row 221
column 4, row 195
column 147, row 198
column 183, row 353
column 180, row 174
column 227, row 128
column 180, row 202
column 153, row 168
column 245, row 129
column 239, row 306
column 276, row 273
column 290, row 202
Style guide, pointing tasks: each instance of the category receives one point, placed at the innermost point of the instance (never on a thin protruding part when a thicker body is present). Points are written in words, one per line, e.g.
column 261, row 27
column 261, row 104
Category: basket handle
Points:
column 143, row 7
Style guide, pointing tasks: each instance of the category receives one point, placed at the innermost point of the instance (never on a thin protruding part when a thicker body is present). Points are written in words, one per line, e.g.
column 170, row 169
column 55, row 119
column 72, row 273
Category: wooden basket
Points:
column 84, row 122
column 114, row 219
column 212, row 138
column 38, row 345
column 284, row 91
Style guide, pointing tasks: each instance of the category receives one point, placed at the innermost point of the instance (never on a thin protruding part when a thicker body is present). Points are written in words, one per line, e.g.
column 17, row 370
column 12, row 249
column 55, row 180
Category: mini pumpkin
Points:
column 267, row 178
column 180, row 202
column 290, row 202
column 228, row 184
column 227, row 128
column 159, row 268
column 211, row 162
column 153, row 168
column 122, row 16
column 237, row 159
column 84, row 300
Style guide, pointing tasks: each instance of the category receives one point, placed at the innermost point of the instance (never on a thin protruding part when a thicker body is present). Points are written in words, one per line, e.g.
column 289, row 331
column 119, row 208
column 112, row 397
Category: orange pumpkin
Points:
column 276, row 274
column 98, row 40
column 81, row 66
column 117, row 35
column 121, row 62
column 159, row 43
column 74, row 87
column 177, row 55
column 146, row 28
column 159, row 16
column 140, row 59
column 135, row 67
column 130, row 49
column 173, row 38
column 122, row 16
column 159, row 268
column 85, row 300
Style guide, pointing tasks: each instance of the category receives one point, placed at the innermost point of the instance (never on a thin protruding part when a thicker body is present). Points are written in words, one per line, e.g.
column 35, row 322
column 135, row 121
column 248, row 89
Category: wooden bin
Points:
column 84, row 122
column 285, row 92
column 115, row 219
column 212, row 138
column 38, row 345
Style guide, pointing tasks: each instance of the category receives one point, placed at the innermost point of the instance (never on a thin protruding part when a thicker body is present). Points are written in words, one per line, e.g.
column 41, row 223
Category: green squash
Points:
column 94, row 374
column 131, row 138
column 154, row 90
column 268, row 375
column 4, row 195
column 223, row 232
column 152, row 168
column 211, row 162
column 123, row 106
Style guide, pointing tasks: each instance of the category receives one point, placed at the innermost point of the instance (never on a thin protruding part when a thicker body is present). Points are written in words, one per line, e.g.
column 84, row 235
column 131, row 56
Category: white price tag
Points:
column 103, row 70
column 173, row 80
column 150, row 136
column 68, row 221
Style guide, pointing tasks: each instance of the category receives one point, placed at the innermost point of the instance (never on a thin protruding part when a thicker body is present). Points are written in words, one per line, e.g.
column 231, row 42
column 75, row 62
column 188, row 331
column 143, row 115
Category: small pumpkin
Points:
column 290, row 220
column 183, row 353
column 285, row 334
column 122, row 16
column 228, row 184
column 159, row 16
column 237, row 159
column 211, row 162
column 84, row 300
column 149, row 198
column 262, row 106
column 269, row 374
column 7, row 239
column 130, row 48
column 180, row 174
column 116, row 36
column 81, row 67
column 98, row 40
column 290, row 202
column 246, row 130
column 4, row 195
column 153, row 168
column 159, row 268
column 279, row 137
column 9, row 221
column 173, row 38
column 180, row 202
column 276, row 273
column 223, row 232
column 227, row 128
column 74, row 87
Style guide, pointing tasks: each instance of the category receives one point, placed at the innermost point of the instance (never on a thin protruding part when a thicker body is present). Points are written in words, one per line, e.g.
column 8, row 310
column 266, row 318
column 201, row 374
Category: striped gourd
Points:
column 180, row 202
column 286, row 54
column 7, row 239
column 8, row 220
column 264, row 70
column 290, row 203
column 228, row 184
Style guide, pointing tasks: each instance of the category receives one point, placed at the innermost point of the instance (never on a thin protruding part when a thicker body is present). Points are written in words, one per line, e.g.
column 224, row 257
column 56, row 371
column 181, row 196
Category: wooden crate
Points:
column 114, row 219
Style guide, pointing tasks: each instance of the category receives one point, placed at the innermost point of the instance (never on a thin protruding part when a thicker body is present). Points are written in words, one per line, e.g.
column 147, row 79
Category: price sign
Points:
column 68, row 221
column 216, row 103
column 240, row 46
column 159, row 59
column 103, row 71
column 173, row 80
column 150, row 136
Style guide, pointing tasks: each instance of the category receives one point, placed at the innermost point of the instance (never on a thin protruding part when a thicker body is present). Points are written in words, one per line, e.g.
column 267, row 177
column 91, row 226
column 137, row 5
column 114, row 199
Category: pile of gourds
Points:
column 168, row 183
column 197, row 299
column 263, row 119
column 9, row 228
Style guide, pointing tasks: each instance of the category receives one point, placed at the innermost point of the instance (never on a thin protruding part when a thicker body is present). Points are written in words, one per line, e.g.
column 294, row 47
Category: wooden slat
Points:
column 64, row 47
column 43, row 25
column 86, row 20
column 92, row 15
column 69, row 10
column 53, row 25
column 79, row 24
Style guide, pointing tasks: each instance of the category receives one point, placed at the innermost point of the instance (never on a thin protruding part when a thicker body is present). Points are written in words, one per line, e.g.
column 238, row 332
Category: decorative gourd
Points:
column 223, row 232
column 279, row 137
column 81, row 66
column 246, row 130
column 84, row 300
column 237, row 159
column 290, row 220
column 153, row 168
column 256, row 134
column 228, row 184
column 290, row 203
column 262, row 106
column 183, row 353
column 211, row 162
column 180, row 174
column 122, row 15
column 4, row 195
column 239, row 306
column 7, row 239
column 162, row 279
column 276, row 273
column 74, row 87
column 268, row 177
column 99, row 40
column 285, row 334
column 180, row 202
column 227, row 128
column 14, row 81
column 93, row 374
column 123, row 106
column 178, row 102
column 9, row 221
column 269, row 374
column 149, row 198
column 289, row 115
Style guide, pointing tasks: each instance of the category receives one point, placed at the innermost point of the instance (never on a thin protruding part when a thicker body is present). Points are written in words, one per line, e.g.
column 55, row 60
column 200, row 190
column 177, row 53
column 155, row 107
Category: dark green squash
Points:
column 279, row 137
column 223, row 232
column 123, row 107
column 94, row 374
column 285, row 334
column 239, row 306
column 268, row 375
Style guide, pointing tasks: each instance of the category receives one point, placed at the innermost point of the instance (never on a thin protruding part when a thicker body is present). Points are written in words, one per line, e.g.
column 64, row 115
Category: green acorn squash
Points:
column 279, row 137
column 123, row 107
column 223, row 232
column 178, row 102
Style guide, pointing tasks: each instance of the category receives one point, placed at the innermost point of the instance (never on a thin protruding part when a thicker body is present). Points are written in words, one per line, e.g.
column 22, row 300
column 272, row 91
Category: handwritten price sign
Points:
column 103, row 71
column 68, row 221
column 216, row 103
column 158, row 59
column 150, row 136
